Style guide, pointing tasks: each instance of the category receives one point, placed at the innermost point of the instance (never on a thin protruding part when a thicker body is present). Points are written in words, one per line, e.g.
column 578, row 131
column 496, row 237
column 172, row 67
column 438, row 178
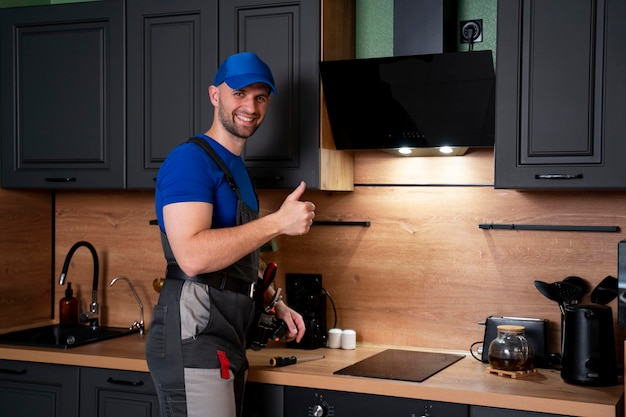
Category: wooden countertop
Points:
column 465, row 382
column 126, row 353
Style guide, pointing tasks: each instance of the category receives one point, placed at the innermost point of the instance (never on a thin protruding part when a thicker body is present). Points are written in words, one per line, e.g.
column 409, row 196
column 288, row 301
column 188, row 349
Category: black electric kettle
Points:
column 588, row 356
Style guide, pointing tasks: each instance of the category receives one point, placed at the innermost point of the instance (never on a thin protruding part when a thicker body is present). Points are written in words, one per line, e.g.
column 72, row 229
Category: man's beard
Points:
column 231, row 127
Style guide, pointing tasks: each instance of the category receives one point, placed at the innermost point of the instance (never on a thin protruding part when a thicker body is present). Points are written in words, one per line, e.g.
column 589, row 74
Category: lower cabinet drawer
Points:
column 30, row 389
column 115, row 393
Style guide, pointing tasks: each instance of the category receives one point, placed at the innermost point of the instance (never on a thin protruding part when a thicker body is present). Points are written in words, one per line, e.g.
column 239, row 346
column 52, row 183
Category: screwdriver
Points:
column 278, row 361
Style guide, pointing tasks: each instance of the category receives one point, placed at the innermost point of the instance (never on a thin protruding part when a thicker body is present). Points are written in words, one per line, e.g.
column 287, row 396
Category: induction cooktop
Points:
column 402, row 365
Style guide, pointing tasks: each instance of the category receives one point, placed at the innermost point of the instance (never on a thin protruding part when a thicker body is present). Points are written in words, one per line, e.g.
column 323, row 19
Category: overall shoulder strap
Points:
column 211, row 152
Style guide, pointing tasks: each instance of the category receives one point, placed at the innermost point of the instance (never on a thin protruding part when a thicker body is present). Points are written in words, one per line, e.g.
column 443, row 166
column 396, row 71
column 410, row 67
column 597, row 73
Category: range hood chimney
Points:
column 424, row 27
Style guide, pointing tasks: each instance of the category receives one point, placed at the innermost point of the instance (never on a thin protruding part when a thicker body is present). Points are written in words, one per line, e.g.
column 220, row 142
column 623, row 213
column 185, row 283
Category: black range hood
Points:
column 417, row 101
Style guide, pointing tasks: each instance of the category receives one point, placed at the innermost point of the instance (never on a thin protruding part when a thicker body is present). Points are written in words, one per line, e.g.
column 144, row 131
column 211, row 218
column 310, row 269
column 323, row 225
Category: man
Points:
column 211, row 234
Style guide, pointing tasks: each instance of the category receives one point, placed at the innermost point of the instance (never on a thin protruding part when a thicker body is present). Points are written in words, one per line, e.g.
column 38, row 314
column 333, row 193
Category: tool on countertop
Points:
column 278, row 361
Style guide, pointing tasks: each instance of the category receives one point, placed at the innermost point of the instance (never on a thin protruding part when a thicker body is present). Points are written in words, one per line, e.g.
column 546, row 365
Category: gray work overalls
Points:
column 222, row 343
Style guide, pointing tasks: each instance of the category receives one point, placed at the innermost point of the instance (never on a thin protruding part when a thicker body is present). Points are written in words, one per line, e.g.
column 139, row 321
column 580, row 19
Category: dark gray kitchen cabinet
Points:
column 30, row 389
column 561, row 83
column 285, row 34
column 172, row 57
column 117, row 393
column 292, row 37
column 173, row 54
column 105, row 115
column 63, row 99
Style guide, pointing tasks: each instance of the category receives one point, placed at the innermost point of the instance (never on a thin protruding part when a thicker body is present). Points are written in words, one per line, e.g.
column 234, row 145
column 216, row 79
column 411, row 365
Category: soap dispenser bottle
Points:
column 68, row 308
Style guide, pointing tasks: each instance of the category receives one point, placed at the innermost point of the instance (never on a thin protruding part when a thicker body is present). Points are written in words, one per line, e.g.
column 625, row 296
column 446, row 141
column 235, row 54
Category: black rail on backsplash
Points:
column 549, row 227
column 340, row 223
column 315, row 223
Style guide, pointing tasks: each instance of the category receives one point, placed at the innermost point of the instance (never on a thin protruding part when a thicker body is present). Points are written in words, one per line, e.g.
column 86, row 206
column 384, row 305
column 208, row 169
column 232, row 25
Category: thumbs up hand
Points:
column 296, row 216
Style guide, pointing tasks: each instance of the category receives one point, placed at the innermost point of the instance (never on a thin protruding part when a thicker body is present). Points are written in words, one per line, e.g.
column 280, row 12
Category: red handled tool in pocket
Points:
column 269, row 274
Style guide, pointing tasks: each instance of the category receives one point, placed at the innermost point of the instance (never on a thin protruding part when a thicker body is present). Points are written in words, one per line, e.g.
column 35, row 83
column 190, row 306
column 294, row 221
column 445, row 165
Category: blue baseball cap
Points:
column 241, row 70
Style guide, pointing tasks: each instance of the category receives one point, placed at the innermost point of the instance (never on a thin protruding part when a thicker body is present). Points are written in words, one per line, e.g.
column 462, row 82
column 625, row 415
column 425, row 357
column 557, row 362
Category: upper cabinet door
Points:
column 62, row 82
column 172, row 57
column 561, row 79
column 286, row 35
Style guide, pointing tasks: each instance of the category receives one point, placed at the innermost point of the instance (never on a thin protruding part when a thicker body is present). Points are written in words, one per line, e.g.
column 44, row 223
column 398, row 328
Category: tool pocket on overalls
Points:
column 155, row 344
column 195, row 309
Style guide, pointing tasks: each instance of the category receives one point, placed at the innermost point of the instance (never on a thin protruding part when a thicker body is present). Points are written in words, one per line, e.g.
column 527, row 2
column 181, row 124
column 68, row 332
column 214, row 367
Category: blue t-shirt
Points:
column 189, row 174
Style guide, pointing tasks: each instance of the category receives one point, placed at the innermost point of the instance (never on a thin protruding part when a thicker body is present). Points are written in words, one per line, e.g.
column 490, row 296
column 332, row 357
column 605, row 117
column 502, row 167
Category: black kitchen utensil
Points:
column 582, row 287
column 568, row 291
column 605, row 291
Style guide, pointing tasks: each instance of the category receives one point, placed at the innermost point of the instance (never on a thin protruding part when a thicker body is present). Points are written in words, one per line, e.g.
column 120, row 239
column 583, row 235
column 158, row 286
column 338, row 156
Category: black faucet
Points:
column 91, row 316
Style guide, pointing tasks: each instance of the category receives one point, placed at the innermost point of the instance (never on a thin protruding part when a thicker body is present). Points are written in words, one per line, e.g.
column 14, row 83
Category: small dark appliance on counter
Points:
column 588, row 354
column 306, row 295
column 589, row 346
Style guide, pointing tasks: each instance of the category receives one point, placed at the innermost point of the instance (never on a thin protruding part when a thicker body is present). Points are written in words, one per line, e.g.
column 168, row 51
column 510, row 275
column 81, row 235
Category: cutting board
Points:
column 403, row 365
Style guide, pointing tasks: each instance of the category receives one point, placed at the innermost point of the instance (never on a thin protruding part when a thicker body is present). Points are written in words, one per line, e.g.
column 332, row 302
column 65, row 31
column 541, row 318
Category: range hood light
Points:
column 440, row 151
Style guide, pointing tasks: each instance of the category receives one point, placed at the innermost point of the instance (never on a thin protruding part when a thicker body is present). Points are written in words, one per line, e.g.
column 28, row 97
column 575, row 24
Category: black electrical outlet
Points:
column 471, row 31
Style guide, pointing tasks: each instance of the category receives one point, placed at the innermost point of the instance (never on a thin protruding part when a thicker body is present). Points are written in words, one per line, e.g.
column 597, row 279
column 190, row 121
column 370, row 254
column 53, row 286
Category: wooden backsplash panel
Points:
column 423, row 273
column 25, row 257
column 118, row 225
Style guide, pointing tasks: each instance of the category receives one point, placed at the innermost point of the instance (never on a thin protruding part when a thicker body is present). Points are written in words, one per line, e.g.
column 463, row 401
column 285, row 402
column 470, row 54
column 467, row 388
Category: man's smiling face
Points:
column 242, row 111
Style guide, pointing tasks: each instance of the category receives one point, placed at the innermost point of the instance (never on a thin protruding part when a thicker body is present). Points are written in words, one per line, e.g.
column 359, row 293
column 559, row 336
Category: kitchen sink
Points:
column 57, row 336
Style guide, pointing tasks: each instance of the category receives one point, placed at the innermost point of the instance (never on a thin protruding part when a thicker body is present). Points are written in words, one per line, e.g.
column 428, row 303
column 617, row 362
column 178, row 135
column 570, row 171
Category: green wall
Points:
column 374, row 25
column 374, row 28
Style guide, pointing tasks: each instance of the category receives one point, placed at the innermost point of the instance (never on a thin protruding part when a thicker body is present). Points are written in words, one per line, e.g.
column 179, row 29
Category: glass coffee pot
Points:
column 510, row 350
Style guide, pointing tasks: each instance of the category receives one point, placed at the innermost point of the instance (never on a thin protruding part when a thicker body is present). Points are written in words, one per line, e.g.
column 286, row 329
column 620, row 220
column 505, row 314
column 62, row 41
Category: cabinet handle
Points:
column 60, row 179
column 124, row 382
column 558, row 176
column 13, row 371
